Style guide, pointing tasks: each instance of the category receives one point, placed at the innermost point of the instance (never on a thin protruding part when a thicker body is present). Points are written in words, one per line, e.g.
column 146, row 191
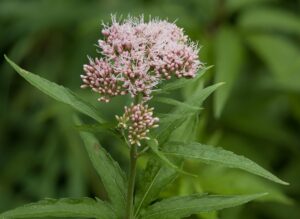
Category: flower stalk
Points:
column 131, row 183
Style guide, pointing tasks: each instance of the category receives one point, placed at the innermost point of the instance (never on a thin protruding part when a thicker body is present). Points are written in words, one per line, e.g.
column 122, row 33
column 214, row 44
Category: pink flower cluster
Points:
column 137, row 121
column 137, row 56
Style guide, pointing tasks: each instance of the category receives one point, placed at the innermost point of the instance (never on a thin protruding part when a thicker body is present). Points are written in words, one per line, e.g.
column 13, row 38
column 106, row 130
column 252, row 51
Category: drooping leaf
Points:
column 270, row 19
column 58, row 92
column 184, row 206
column 66, row 207
column 281, row 56
column 229, row 59
column 113, row 178
column 216, row 155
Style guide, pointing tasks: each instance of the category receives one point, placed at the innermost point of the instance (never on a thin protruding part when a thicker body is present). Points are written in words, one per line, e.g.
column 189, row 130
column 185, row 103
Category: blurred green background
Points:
column 254, row 46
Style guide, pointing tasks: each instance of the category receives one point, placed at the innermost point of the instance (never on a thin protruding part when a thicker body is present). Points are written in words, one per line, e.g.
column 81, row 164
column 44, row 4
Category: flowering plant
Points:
column 143, row 60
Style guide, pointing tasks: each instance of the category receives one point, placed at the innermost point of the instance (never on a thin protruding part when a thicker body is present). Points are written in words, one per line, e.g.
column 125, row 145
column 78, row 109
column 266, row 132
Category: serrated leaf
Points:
column 66, row 207
column 216, row 155
column 58, row 92
column 179, row 83
column 270, row 19
column 184, row 206
column 281, row 56
column 229, row 59
column 113, row 178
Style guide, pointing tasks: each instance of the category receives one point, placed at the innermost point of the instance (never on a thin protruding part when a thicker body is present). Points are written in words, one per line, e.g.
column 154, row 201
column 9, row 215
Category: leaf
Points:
column 229, row 59
column 154, row 146
column 66, row 207
column 113, row 178
column 214, row 155
column 210, row 177
column 154, row 179
column 268, row 19
column 179, row 83
column 58, row 92
column 174, row 102
column 181, row 114
column 184, row 206
column 281, row 56
column 234, row 5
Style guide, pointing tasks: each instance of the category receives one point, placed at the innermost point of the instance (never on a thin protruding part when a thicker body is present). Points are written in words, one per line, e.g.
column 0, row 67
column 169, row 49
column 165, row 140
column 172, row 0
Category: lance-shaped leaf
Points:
column 217, row 155
column 181, row 82
column 58, row 92
column 270, row 19
column 184, row 206
column 227, row 66
column 113, row 178
column 180, row 114
column 154, row 146
column 66, row 207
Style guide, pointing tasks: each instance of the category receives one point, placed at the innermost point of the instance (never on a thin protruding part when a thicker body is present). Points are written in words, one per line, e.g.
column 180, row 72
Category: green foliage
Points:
column 227, row 67
column 214, row 155
column 184, row 206
column 113, row 178
column 66, row 207
column 58, row 92
column 258, row 109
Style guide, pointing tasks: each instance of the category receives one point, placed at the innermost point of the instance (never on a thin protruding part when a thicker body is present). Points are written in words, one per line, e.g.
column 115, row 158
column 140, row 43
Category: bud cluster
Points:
column 137, row 56
column 137, row 121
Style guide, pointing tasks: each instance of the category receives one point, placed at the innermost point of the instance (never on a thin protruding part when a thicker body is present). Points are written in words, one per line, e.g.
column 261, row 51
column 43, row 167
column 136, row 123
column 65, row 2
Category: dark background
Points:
column 254, row 46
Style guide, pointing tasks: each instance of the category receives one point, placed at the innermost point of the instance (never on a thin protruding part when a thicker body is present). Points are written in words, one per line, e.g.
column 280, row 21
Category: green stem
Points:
column 131, row 183
column 132, row 174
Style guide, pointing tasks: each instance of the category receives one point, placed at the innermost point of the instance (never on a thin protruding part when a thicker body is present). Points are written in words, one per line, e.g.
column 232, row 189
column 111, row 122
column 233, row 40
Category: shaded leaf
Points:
column 211, row 176
column 154, row 179
column 184, row 206
column 215, row 155
column 270, row 18
column 229, row 59
column 113, row 178
column 58, row 92
column 281, row 56
column 66, row 207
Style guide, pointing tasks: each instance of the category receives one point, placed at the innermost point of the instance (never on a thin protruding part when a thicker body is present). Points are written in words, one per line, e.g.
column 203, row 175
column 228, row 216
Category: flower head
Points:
column 137, row 56
column 137, row 121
